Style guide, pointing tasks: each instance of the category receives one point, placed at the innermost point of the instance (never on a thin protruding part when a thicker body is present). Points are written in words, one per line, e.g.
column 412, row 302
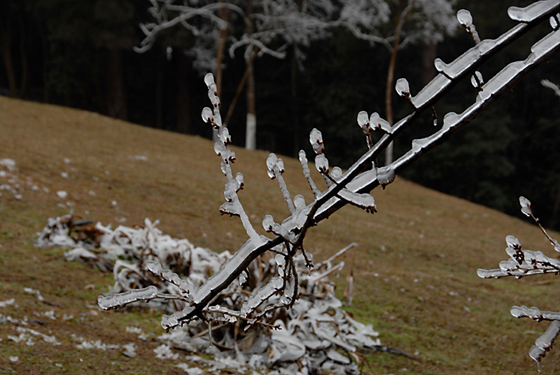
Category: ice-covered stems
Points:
column 465, row 18
column 527, row 263
column 275, row 170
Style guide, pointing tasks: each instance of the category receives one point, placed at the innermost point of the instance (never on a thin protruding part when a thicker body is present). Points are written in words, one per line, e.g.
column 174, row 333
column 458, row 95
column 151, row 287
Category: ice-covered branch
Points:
column 527, row 263
column 354, row 185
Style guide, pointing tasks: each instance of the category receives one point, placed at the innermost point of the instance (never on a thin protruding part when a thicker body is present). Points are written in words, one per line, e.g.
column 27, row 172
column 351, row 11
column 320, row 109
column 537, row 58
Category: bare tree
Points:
column 352, row 186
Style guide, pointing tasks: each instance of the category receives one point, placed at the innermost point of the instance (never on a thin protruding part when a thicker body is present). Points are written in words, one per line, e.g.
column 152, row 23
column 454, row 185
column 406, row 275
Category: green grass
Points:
column 414, row 266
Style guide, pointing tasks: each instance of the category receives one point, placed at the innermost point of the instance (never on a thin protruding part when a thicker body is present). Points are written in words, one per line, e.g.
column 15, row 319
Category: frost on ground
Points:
column 314, row 334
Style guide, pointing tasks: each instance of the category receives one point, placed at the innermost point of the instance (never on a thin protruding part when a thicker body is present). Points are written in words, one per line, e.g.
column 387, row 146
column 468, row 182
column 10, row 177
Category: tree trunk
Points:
column 251, row 125
column 429, row 54
column 184, row 122
column 6, row 51
column 116, row 96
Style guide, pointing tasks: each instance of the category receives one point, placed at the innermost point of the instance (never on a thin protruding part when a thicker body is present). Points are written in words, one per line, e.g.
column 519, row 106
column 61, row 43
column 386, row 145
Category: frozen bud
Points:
column 316, row 140
column 209, row 79
column 212, row 95
column 217, row 119
column 302, row 156
column 273, row 161
column 554, row 22
column 402, row 87
column 299, row 202
column 322, row 163
column 525, row 206
column 465, row 18
column 513, row 242
column 476, row 80
column 376, row 122
column 268, row 223
column 363, row 120
column 207, row 115
column 224, row 136
column 336, row 172
column 385, row 176
column 240, row 181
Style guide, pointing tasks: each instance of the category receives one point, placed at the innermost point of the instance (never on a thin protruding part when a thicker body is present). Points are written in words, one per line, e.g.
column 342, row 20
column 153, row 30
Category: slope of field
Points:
column 415, row 263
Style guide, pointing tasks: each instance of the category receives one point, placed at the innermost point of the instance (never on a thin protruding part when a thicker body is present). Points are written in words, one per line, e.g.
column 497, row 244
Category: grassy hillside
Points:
column 415, row 266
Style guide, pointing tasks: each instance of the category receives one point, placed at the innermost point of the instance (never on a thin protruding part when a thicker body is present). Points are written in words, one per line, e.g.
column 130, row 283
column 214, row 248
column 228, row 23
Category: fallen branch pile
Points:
column 299, row 327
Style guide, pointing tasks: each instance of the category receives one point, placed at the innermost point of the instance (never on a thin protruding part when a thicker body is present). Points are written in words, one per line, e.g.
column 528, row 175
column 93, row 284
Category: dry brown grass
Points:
column 415, row 265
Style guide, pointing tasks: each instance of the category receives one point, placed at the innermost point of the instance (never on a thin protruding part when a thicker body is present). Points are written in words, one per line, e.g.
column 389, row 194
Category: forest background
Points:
column 80, row 54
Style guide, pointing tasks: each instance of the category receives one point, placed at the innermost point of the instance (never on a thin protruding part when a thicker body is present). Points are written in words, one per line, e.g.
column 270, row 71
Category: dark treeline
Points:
column 79, row 54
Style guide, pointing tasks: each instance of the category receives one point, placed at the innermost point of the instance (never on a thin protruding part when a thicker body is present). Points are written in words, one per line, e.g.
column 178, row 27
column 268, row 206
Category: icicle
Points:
column 121, row 299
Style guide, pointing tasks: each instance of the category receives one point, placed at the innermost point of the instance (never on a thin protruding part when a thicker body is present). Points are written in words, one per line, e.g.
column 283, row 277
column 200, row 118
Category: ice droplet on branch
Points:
column 316, row 140
column 363, row 119
column 464, row 17
column 402, row 87
column 525, row 206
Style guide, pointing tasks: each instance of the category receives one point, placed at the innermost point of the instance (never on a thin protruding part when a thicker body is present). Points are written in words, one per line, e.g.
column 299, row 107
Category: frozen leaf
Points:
column 402, row 87
column 525, row 206
column 316, row 140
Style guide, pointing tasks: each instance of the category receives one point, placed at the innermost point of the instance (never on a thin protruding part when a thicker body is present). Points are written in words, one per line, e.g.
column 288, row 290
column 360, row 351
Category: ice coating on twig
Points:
column 376, row 122
column 533, row 313
column 531, row 12
column 322, row 163
column 402, row 87
column 316, row 140
column 465, row 18
column 307, row 173
column 544, row 343
column 121, row 299
column 184, row 285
